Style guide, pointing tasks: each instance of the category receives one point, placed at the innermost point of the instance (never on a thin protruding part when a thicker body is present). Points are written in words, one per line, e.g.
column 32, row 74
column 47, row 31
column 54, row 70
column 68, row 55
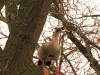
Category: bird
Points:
column 51, row 50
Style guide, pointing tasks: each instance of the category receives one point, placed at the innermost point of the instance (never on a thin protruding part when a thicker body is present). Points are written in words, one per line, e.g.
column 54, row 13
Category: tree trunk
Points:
column 25, row 24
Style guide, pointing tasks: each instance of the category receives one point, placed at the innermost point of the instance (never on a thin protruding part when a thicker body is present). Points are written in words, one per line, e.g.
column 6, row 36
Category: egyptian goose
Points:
column 51, row 50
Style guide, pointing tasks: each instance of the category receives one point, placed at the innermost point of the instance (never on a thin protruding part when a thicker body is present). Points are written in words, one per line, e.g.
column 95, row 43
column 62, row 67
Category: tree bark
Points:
column 26, row 24
column 2, row 3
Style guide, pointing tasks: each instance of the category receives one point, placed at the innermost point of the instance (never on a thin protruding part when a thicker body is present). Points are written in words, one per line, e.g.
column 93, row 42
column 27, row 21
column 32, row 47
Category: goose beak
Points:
column 67, row 31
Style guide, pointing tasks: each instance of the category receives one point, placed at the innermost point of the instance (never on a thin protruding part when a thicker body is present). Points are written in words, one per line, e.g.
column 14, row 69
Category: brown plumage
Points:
column 51, row 50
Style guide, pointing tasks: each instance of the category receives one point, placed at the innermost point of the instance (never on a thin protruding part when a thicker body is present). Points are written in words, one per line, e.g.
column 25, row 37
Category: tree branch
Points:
column 71, row 26
column 88, row 16
column 87, row 53
column 70, row 65
column 23, row 39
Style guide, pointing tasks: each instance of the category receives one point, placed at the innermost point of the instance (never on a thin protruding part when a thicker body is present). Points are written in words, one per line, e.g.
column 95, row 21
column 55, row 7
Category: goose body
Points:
column 51, row 50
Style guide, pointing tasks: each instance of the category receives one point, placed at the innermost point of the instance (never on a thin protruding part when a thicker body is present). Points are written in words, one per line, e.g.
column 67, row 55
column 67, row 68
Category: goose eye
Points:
column 63, row 28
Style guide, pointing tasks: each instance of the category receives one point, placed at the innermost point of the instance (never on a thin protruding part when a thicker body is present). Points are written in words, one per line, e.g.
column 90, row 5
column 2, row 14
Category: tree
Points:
column 25, row 20
column 25, row 25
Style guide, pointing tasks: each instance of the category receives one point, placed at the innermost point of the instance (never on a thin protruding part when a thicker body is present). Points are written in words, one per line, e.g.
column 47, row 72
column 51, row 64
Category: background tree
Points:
column 25, row 19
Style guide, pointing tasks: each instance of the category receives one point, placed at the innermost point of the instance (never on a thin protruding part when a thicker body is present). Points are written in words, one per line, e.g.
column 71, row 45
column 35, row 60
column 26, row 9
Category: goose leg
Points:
column 57, row 69
column 45, row 69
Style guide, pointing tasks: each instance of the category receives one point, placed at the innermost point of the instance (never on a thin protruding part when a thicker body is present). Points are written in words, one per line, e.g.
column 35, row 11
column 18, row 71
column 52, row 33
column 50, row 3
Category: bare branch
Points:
column 94, row 63
column 87, row 16
column 3, row 34
column 71, row 26
column 70, row 65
